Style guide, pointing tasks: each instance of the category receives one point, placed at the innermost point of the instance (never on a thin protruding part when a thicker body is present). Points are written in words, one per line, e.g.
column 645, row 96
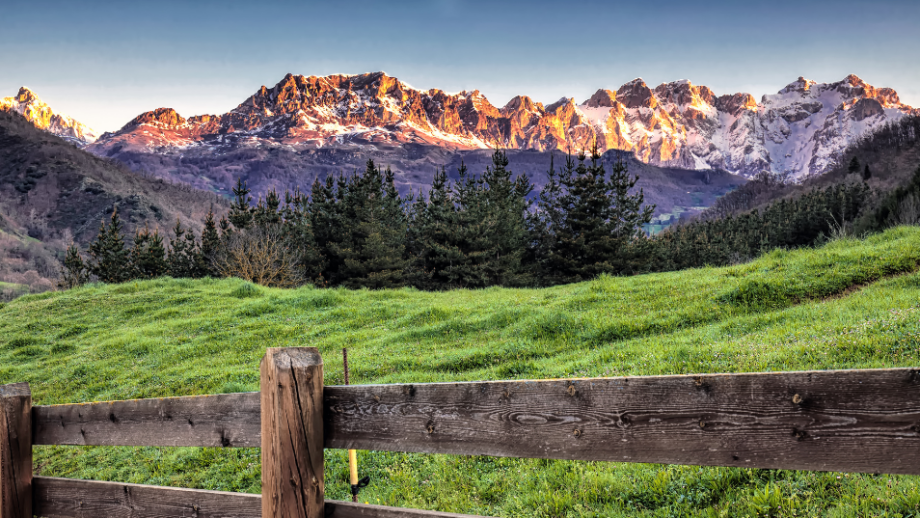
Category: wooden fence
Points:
column 853, row 420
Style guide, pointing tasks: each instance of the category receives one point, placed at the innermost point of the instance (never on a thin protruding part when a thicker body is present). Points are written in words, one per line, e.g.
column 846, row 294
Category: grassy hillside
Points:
column 849, row 304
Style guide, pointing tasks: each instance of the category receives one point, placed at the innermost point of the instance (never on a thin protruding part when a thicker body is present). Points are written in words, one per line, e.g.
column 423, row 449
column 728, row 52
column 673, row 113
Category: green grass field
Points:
column 850, row 304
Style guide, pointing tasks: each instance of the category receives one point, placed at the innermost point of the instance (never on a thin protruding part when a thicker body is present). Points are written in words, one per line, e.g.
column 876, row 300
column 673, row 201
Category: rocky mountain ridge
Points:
column 796, row 132
column 36, row 111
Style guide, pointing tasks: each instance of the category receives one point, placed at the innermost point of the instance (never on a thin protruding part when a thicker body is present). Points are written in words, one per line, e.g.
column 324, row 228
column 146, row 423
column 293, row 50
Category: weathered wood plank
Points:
column 15, row 451
column 69, row 498
column 225, row 420
column 292, row 433
column 856, row 420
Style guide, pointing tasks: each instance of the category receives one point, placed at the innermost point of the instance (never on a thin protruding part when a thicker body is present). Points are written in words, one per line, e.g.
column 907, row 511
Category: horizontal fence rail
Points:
column 69, row 498
column 225, row 420
column 849, row 420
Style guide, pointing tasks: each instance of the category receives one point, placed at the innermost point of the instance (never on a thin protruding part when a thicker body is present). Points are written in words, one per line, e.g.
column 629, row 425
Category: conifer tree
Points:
column 490, row 227
column 109, row 257
column 210, row 244
column 434, row 229
column 372, row 251
column 74, row 272
column 241, row 212
column 183, row 258
column 148, row 255
column 298, row 232
column 589, row 221
column 866, row 173
column 853, row 168
column 328, row 224
column 266, row 211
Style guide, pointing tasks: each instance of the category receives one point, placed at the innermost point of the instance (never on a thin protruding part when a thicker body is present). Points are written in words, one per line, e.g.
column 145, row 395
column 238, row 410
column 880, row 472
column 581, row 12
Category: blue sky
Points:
column 105, row 62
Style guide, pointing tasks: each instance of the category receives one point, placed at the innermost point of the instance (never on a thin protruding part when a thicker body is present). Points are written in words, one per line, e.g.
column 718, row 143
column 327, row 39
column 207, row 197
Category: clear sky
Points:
column 105, row 62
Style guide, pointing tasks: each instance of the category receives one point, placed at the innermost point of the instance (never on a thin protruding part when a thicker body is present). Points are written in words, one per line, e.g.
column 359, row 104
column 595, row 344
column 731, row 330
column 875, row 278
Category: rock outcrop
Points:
column 797, row 131
column 27, row 104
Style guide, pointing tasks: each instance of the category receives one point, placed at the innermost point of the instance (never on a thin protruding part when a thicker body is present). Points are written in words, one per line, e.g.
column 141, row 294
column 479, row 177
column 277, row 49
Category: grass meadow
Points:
column 849, row 304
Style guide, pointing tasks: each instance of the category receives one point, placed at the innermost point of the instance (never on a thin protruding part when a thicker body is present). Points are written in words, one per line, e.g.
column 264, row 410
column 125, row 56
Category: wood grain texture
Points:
column 856, row 420
column 292, row 433
column 15, row 451
column 69, row 498
column 225, row 420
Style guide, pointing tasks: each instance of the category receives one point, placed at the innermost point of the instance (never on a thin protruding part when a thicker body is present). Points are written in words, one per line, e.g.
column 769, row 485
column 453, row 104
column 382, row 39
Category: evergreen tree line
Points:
column 358, row 231
column 480, row 230
column 810, row 219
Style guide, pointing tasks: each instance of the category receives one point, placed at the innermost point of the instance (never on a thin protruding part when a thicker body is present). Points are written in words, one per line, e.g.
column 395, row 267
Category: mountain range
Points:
column 796, row 132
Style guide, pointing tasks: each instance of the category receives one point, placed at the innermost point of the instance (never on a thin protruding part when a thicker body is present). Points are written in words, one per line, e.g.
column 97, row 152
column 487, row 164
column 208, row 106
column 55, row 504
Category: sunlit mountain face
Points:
column 796, row 132
column 27, row 104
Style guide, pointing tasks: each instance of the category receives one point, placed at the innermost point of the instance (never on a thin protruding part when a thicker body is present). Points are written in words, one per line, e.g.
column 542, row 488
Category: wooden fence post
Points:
column 292, row 433
column 15, row 451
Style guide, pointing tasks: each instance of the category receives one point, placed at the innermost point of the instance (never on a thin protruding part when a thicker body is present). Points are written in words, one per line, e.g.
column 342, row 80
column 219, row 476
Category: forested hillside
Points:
column 875, row 185
column 52, row 193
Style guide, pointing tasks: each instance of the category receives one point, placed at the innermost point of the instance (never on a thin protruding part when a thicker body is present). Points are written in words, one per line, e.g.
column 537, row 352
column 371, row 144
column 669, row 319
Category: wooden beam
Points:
column 292, row 433
column 15, row 451
column 225, row 420
column 859, row 420
column 852, row 420
column 69, row 498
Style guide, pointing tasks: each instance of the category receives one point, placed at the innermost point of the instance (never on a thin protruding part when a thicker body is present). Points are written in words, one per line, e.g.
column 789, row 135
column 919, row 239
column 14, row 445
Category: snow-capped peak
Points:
column 799, row 130
column 30, row 106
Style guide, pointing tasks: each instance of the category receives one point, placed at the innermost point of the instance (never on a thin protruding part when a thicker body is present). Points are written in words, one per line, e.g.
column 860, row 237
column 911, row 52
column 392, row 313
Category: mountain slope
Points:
column 796, row 132
column 52, row 193
column 891, row 153
column 48, row 187
column 27, row 104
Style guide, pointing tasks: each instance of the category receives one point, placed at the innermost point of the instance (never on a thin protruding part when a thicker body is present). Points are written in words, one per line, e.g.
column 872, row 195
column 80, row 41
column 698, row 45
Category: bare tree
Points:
column 908, row 211
column 260, row 255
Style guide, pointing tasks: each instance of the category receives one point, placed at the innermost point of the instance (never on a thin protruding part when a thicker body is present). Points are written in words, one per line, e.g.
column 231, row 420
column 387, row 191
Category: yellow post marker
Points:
column 352, row 454
column 353, row 468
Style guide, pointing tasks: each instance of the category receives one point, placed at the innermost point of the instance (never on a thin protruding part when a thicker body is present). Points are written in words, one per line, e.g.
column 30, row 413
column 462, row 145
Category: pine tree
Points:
column 590, row 224
column 148, row 255
column 866, row 173
column 74, row 272
column 328, row 224
column 241, row 212
column 210, row 244
column 372, row 250
column 853, row 168
column 183, row 258
column 490, row 227
column 109, row 257
column 297, row 229
column 434, row 229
